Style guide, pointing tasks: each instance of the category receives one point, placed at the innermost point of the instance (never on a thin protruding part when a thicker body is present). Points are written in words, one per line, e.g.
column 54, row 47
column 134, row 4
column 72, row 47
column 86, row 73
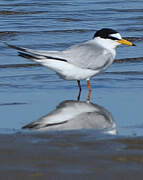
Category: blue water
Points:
column 112, row 150
column 28, row 93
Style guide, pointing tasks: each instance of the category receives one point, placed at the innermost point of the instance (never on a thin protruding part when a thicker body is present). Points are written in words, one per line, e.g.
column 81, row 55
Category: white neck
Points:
column 106, row 43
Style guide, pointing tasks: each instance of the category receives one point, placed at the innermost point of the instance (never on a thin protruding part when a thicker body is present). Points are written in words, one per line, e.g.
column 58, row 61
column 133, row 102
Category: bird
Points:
column 75, row 115
column 81, row 61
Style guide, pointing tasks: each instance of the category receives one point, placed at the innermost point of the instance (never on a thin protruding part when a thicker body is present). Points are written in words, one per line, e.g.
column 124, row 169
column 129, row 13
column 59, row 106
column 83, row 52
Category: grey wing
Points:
column 89, row 55
column 86, row 55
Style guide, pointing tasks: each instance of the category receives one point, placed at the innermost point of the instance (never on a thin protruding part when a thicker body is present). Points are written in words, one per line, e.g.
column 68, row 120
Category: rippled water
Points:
column 30, row 92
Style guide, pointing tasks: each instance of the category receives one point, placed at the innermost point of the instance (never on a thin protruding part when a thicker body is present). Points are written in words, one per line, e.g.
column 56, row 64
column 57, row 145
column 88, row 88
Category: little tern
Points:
column 81, row 61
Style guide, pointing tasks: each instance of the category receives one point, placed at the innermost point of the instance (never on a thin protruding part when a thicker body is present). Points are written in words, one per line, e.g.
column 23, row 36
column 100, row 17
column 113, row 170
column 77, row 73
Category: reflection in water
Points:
column 75, row 115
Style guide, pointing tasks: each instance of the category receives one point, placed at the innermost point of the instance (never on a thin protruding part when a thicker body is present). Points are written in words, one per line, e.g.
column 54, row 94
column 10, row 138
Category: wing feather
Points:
column 88, row 55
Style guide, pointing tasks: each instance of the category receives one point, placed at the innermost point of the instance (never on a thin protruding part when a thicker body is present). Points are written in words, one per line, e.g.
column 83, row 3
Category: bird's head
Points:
column 111, row 37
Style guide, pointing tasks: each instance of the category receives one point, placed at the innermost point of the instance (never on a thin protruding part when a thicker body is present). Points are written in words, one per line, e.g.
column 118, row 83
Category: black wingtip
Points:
column 30, row 126
column 27, row 56
column 15, row 47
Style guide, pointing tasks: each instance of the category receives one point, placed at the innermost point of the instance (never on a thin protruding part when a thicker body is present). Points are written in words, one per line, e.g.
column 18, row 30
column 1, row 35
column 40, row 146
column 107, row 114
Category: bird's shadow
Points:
column 75, row 115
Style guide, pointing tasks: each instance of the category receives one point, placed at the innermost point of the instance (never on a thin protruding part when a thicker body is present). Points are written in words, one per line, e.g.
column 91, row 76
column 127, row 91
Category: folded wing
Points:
column 87, row 55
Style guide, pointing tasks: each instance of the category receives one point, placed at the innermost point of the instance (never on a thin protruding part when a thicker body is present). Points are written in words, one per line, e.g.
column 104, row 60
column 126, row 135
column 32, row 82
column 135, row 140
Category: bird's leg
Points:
column 79, row 93
column 89, row 88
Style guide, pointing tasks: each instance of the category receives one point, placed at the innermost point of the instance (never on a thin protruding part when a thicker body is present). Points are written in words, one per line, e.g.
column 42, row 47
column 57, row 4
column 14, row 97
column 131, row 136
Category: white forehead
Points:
column 116, row 35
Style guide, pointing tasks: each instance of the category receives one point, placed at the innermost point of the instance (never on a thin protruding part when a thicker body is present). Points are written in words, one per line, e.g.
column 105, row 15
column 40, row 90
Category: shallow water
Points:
column 30, row 92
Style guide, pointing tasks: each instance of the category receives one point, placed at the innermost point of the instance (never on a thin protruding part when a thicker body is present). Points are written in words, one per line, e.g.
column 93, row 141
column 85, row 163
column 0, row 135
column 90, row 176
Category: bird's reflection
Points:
column 74, row 115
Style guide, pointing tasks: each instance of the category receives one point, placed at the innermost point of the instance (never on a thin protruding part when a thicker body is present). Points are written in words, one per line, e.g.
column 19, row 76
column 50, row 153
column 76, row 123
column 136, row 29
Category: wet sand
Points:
column 70, row 156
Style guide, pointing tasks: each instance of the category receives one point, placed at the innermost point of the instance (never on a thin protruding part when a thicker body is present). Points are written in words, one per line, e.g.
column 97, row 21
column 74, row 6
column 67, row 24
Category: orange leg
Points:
column 79, row 93
column 89, row 88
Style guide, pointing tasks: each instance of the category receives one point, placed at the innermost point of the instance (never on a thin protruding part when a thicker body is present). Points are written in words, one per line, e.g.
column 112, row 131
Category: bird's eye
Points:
column 113, row 38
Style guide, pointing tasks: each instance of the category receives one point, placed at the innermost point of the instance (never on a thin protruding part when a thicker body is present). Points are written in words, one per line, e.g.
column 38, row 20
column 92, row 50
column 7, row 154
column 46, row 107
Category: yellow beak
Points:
column 124, row 41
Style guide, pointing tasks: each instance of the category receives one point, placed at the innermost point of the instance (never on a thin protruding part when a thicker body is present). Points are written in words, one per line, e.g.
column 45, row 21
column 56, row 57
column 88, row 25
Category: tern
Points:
column 81, row 61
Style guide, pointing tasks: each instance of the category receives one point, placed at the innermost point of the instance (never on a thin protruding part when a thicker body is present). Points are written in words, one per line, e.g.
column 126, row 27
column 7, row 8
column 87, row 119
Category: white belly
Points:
column 68, row 71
